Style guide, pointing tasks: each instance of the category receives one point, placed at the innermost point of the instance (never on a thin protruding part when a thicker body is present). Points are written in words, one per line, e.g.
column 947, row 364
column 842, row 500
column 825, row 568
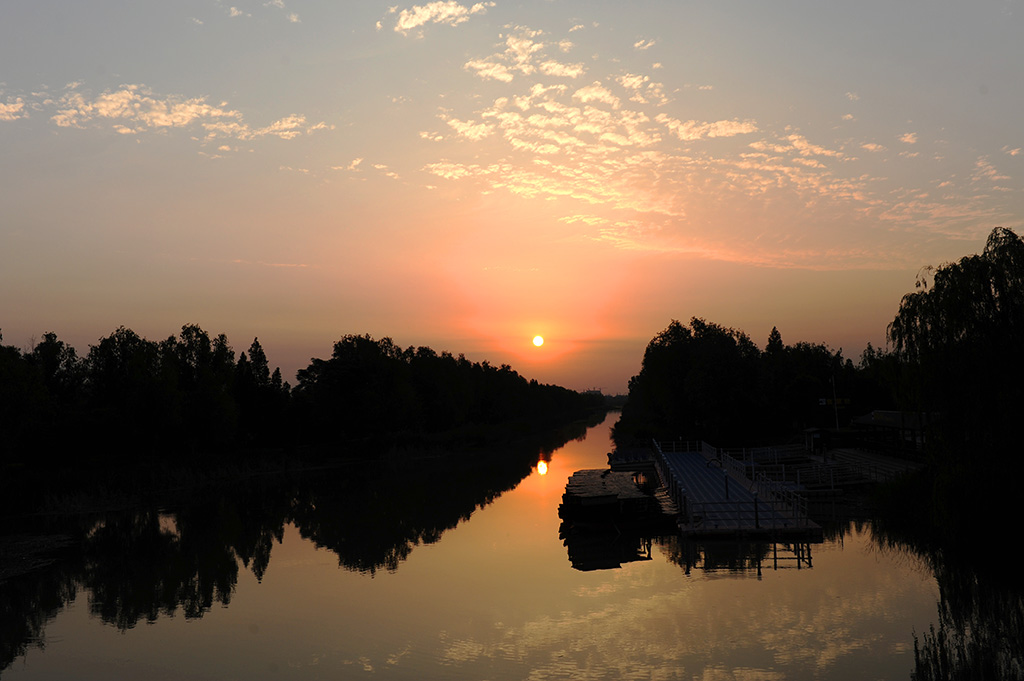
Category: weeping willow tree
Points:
column 960, row 338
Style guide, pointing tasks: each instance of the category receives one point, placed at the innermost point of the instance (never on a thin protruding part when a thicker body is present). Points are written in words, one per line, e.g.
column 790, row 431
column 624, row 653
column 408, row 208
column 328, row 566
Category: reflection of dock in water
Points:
column 737, row 556
column 604, row 548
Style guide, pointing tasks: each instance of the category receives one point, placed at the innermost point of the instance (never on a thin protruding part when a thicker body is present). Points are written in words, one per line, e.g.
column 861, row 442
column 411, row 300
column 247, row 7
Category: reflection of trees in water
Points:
column 374, row 519
column 138, row 566
column 980, row 632
column 28, row 603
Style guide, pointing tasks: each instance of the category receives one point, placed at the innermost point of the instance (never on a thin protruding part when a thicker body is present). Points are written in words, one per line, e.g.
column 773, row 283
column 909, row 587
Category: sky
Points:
column 466, row 176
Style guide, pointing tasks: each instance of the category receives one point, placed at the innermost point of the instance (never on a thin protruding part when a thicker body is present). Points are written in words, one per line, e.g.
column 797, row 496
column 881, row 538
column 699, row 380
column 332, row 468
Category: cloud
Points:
column 1011, row 152
column 596, row 93
column 13, row 110
column 469, row 130
column 985, row 170
column 695, row 130
column 487, row 69
column 644, row 89
column 560, row 70
column 134, row 109
column 633, row 169
column 644, row 44
column 447, row 12
column 521, row 56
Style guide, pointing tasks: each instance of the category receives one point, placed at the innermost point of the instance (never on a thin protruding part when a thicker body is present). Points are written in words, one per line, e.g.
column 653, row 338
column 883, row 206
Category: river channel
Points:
column 485, row 591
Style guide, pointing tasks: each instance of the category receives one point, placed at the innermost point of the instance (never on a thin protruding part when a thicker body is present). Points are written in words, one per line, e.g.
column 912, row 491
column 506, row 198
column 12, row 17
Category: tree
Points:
column 959, row 339
column 696, row 382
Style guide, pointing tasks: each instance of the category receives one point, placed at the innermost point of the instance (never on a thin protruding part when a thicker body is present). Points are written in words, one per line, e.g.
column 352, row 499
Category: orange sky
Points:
column 466, row 176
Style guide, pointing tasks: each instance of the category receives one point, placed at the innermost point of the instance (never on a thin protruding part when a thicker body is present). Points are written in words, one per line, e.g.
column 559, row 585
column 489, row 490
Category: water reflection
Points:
column 980, row 629
column 737, row 556
column 605, row 547
column 495, row 599
column 151, row 563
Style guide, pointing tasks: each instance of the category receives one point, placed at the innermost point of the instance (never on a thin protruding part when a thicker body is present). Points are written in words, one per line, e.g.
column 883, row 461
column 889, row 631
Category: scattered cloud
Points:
column 596, row 92
column 469, row 130
column 13, row 110
column 560, row 70
column 908, row 138
column 134, row 109
column 985, row 170
column 644, row 44
column 1011, row 152
column 525, row 54
column 688, row 131
column 447, row 12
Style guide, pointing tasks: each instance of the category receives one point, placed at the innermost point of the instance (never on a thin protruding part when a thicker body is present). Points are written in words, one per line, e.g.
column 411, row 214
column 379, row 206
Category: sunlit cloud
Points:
column 13, row 110
column 644, row 44
column 525, row 55
column 985, row 170
column 469, row 130
column 558, row 69
column 447, row 12
column 696, row 130
column 596, row 93
column 134, row 109
column 908, row 138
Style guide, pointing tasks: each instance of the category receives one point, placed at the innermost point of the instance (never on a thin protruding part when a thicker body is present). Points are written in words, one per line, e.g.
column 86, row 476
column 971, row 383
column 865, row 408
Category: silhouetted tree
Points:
column 959, row 338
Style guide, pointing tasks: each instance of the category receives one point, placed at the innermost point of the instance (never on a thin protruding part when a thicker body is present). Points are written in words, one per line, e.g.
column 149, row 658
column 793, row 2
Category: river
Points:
column 318, row 588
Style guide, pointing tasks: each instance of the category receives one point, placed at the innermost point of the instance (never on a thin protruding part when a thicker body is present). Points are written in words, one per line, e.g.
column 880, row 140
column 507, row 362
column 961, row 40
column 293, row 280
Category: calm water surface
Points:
column 495, row 597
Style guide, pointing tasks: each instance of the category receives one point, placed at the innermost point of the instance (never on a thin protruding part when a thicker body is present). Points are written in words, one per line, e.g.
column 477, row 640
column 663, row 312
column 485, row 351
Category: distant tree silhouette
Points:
column 185, row 399
column 374, row 388
column 710, row 382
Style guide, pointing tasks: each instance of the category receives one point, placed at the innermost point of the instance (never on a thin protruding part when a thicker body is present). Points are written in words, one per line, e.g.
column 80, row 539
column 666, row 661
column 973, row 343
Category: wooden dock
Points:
column 605, row 495
column 715, row 498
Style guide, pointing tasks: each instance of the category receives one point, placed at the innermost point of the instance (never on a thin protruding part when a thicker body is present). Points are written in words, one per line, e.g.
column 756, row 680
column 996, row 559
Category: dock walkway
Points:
column 715, row 498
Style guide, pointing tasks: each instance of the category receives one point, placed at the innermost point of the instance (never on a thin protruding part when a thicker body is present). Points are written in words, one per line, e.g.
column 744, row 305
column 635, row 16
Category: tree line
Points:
column 955, row 354
column 130, row 398
column 704, row 381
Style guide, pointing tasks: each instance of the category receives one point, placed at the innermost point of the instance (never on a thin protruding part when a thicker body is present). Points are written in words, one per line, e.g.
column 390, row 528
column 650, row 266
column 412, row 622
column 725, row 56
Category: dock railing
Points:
column 772, row 502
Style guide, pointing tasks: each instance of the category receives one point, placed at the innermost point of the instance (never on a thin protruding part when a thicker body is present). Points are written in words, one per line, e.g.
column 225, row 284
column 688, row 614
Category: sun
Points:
column 538, row 341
